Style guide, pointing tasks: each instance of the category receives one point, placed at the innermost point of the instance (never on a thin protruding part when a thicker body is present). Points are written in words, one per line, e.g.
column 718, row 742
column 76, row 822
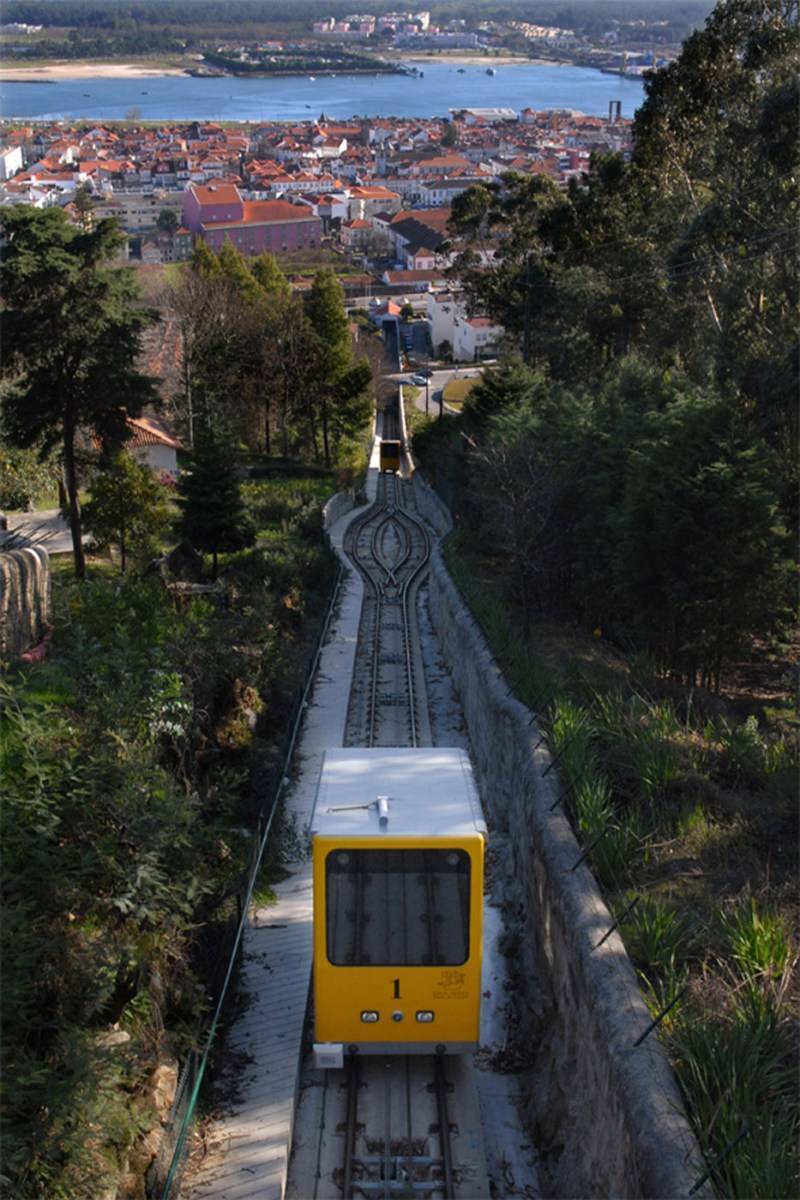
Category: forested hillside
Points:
column 648, row 433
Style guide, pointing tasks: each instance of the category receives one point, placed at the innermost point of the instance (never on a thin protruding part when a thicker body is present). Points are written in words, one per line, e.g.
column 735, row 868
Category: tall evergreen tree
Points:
column 71, row 327
column 210, row 498
column 338, row 382
column 268, row 274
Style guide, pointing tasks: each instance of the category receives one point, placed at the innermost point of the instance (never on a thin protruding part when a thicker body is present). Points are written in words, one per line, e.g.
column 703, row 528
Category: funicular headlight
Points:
column 369, row 1016
column 424, row 1016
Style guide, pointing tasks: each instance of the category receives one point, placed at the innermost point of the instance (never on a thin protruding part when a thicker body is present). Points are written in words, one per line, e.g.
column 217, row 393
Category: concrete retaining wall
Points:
column 24, row 599
column 608, row 1115
column 336, row 507
column 432, row 507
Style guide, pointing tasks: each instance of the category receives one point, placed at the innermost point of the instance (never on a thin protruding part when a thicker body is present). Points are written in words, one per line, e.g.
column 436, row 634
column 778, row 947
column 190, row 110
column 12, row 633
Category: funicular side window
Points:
column 397, row 907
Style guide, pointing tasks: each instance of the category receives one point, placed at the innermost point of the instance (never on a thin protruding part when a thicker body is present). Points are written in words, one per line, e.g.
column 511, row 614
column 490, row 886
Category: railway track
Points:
column 400, row 1126
column 414, row 1155
column 390, row 548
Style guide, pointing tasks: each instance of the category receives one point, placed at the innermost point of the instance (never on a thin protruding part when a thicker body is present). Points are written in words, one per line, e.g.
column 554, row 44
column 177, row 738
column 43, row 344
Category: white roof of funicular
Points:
column 431, row 793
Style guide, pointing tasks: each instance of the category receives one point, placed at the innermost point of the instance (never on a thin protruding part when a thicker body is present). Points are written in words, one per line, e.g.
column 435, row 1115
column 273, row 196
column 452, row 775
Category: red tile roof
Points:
column 224, row 193
column 151, row 431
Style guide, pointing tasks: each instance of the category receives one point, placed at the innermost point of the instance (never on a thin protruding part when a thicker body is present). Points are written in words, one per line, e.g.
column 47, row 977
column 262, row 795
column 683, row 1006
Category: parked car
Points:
column 419, row 379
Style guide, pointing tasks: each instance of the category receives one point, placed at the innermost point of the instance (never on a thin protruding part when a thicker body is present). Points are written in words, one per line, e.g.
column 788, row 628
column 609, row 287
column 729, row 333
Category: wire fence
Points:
column 169, row 1163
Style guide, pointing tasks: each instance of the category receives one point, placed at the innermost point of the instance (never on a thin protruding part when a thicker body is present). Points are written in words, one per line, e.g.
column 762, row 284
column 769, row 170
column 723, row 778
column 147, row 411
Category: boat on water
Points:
column 461, row 70
column 312, row 79
column 491, row 71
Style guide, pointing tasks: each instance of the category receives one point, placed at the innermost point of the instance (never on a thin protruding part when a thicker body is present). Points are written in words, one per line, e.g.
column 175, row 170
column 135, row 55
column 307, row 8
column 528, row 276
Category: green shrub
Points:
column 658, row 934
column 737, row 1074
column 123, row 843
column 760, row 945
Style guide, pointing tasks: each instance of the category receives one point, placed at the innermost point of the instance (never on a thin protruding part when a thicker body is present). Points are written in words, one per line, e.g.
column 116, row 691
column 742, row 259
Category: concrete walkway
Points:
column 248, row 1147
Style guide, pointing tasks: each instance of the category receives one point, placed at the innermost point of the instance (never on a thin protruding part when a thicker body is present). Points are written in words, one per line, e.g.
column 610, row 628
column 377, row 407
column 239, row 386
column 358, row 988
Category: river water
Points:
column 182, row 97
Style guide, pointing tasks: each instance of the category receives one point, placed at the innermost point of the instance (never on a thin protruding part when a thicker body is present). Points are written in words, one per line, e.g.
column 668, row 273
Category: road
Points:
column 46, row 528
column 438, row 380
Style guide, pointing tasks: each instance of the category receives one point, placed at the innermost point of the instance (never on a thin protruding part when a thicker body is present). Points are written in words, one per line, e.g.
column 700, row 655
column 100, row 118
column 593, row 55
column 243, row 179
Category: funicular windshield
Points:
column 397, row 907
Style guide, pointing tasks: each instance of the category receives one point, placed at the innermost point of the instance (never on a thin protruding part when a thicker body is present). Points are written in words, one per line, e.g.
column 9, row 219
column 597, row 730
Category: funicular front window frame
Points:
column 400, row 907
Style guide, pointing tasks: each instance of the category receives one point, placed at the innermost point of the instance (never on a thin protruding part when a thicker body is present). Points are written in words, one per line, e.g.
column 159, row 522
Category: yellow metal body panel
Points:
column 452, row 993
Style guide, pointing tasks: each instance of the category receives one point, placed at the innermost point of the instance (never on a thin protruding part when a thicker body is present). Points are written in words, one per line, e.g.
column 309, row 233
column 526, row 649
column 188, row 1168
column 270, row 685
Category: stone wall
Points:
column 24, row 599
column 607, row 1115
column 336, row 507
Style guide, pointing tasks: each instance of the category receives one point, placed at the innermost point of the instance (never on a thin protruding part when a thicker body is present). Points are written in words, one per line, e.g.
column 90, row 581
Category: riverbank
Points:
column 77, row 69
column 462, row 58
column 83, row 69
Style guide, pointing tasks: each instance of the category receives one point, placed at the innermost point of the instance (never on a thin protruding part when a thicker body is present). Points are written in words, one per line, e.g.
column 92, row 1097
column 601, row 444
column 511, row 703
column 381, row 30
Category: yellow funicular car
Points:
column 389, row 456
column 397, row 846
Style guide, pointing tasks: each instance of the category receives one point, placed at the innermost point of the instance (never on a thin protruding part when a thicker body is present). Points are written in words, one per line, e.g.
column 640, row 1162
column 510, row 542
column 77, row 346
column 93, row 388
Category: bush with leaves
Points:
column 26, row 478
column 128, row 508
column 100, row 885
column 126, row 766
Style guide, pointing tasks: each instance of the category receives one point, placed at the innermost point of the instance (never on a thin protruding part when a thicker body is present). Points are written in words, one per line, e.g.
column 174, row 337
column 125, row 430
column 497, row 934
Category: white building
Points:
column 471, row 338
column 154, row 445
column 443, row 308
column 10, row 161
column 484, row 116
column 436, row 193
column 476, row 338
column 137, row 212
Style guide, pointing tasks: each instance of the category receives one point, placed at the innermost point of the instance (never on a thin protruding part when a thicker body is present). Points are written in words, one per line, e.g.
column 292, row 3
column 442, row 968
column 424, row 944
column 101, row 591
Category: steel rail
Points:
column 403, row 519
column 352, row 1072
column 376, row 645
column 377, row 554
column 384, row 1174
column 357, row 556
column 444, row 1127
column 406, row 622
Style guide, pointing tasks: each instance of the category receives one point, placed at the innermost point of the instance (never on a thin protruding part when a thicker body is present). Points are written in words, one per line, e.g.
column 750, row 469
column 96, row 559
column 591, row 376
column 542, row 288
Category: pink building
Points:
column 217, row 212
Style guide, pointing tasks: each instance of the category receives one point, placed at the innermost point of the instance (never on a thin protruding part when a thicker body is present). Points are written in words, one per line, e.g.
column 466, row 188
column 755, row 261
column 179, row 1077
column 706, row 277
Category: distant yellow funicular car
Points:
column 397, row 847
column 389, row 455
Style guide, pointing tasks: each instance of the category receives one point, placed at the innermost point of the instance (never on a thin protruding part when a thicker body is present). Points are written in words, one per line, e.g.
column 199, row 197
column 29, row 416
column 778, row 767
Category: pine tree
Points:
column 268, row 274
column 204, row 260
column 70, row 329
column 209, row 496
column 233, row 266
column 334, row 356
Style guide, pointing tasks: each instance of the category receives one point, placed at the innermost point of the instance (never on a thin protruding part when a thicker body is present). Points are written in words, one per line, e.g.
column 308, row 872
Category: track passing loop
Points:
column 390, row 549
